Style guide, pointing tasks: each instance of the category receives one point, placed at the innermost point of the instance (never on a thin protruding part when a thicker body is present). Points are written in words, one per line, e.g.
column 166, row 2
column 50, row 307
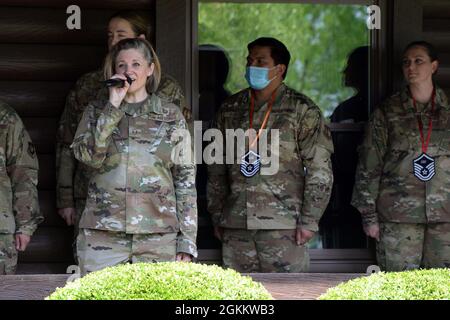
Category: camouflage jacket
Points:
column 386, row 189
column 19, row 207
column 289, row 198
column 136, row 187
column 72, row 176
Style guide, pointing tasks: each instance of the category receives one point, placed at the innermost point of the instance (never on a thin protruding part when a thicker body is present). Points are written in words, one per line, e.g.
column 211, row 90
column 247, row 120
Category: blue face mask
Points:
column 258, row 78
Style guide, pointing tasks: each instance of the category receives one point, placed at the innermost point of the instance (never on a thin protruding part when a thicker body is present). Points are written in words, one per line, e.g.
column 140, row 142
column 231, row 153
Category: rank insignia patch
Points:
column 424, row 167
column 250, row 164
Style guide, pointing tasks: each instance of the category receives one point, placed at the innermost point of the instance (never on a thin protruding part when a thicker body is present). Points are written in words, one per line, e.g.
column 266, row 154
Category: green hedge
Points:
column 408, row 285
column 162, row 281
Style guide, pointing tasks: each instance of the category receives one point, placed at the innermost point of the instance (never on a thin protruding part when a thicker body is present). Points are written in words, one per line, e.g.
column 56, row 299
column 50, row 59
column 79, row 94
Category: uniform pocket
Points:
column 396, row 160
column 163, row 143
column 120, row 137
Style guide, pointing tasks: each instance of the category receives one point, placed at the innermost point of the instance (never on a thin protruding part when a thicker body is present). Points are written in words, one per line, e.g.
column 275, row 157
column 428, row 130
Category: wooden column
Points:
column 176, row 42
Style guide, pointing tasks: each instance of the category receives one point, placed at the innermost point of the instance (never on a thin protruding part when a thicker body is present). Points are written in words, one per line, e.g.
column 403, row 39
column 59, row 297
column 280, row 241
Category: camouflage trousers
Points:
column 8, row 254
column 98, row 249
column 406, row 246
column 263, row 251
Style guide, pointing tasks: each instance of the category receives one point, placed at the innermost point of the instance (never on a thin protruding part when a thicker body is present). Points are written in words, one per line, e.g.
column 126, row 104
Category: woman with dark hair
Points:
column 403, row 178
column 141, row 201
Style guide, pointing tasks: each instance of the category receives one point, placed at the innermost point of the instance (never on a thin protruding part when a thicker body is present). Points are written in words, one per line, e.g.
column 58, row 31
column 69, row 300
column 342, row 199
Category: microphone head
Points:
column 114, row 83
column 117, row 82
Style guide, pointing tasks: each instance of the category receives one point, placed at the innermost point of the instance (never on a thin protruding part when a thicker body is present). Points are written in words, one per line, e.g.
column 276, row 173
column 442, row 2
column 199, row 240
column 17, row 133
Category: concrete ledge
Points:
column 294, row 286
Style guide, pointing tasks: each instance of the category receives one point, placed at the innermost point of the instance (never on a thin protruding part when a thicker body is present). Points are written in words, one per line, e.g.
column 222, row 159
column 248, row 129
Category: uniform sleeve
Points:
column 316, row 147
column 65, row 160
column 66, row 164
column 22, row 168
column 369, row 169
column 93, row 135
column 183, row 173
column 217, row 183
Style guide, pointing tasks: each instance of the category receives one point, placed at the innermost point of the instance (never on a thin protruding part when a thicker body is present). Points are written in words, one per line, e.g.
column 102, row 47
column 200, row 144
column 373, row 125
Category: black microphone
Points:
column 117, row 82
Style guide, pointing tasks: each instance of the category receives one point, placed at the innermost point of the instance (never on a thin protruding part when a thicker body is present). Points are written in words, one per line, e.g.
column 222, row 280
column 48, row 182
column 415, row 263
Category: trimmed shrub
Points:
column 431, row 284
column 162, row 281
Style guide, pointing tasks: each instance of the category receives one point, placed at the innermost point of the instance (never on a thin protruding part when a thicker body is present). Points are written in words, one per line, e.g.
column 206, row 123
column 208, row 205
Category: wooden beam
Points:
column 35, row 98
column 30, row 287
column 28, row 62
column 83, row 4
column 174, row 41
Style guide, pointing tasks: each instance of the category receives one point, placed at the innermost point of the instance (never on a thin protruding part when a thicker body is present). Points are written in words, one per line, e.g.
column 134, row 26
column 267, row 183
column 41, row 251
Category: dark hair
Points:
column 429, row 48
column 139, row 21
column 221, row 60
column 278, row 51
column 360, row 57
column 147, row 51
column 356, row 71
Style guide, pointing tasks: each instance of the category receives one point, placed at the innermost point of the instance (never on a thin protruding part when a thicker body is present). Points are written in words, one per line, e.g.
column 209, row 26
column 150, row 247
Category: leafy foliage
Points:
column 162, row 281
column 318, row 36
column 408, row 285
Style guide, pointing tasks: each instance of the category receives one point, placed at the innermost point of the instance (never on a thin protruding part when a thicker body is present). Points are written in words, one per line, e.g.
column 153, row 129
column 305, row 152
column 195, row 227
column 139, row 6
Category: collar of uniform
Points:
column 278, row 96
column 152, row 104
column 441, row 99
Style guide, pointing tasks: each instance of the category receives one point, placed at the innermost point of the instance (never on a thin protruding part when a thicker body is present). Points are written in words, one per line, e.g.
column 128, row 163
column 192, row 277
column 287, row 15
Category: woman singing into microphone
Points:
column 141, row 203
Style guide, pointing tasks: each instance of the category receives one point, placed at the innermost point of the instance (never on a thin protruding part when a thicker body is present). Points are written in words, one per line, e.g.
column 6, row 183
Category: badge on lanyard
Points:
column 424, row 166
column 251, row 161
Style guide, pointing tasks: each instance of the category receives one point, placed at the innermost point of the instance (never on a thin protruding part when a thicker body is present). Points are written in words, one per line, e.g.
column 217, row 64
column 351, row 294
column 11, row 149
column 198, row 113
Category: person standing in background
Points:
column 19, row 205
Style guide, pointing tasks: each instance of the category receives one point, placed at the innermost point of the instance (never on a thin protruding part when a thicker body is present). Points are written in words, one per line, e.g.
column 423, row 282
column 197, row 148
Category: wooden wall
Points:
column 40, row 59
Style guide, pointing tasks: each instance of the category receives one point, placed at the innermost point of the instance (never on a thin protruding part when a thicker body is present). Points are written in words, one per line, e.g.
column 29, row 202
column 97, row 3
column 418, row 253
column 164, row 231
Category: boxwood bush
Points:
column 162, row 281
column 431, row 284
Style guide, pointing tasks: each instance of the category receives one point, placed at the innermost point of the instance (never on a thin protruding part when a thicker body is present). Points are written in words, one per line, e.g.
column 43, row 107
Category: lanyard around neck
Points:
column 430, row 122
column 266, row 117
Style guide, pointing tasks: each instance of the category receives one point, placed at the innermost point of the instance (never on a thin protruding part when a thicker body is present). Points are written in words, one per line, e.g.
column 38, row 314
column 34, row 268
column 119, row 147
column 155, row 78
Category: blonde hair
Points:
column 148, row 53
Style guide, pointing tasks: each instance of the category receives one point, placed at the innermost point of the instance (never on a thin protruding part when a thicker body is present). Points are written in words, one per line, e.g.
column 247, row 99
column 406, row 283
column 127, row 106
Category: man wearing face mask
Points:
column 265, row 220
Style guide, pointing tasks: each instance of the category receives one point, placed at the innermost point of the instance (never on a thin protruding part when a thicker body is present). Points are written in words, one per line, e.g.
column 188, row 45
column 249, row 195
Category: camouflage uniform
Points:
column 414, row 216
column 260, row 214
column 136, row 189
column 72, row 176
column 19, row 207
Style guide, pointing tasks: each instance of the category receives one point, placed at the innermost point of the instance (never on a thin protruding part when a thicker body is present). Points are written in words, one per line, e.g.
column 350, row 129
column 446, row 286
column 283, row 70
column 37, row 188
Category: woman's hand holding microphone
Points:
column 118, row 93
